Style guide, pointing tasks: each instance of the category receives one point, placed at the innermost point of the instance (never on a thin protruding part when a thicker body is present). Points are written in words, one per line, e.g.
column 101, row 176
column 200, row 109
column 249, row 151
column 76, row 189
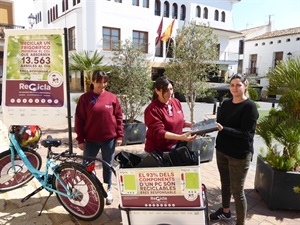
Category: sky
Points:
column 284, row 14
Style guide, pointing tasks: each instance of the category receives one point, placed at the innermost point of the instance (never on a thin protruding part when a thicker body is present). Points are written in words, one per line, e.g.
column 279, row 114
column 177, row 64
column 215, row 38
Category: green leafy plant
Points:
column 194, row 56
column 130, row 79
column 253, row 94
column 280, row 129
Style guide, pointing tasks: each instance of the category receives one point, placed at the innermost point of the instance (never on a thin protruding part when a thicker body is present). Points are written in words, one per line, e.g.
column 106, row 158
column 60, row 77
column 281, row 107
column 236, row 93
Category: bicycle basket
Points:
column 28, row 136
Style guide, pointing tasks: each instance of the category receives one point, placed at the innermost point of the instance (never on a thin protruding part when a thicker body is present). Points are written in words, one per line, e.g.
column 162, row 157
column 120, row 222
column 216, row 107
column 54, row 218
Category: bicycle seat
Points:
column 50, row 142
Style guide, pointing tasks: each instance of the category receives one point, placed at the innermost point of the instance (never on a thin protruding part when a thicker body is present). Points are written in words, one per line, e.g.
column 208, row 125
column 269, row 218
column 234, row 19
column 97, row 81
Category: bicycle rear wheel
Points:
column 88, row 201
column 11, row 178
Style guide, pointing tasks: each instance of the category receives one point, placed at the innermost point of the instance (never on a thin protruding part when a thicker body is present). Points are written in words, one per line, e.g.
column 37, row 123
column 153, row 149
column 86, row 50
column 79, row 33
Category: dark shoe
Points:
column 220, row 215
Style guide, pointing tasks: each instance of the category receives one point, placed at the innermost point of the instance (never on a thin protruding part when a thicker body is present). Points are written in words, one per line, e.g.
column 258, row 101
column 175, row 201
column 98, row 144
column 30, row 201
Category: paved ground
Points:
column 13, row 212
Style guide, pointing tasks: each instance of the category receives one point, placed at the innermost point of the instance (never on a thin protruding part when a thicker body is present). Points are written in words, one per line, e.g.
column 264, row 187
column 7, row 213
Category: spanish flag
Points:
column 168, row 32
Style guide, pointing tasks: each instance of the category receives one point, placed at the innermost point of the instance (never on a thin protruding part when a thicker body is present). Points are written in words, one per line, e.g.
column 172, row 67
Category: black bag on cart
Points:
column 127, row 159
column 182, row 156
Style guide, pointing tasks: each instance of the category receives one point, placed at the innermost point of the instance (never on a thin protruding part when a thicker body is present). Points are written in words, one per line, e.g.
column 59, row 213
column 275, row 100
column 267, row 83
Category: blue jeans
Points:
column 233, row 173
column 107, row 152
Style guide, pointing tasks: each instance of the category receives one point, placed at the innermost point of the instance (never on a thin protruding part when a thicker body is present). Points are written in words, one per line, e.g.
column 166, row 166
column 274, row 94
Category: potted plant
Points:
column 194, row 57
column 277, row 176
column 130, row 80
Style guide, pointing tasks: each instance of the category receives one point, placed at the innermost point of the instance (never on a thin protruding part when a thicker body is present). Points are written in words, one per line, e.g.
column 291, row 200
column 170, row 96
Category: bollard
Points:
column 215, row 108
column 273, row 104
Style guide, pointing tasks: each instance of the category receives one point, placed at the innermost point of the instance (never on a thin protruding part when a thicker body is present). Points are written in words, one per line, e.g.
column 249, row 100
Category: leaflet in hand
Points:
column 205, row 126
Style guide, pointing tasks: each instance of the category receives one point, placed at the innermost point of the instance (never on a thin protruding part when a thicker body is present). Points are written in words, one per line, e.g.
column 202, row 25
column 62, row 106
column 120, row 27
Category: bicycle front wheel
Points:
column 12, row 177
column 86, row 201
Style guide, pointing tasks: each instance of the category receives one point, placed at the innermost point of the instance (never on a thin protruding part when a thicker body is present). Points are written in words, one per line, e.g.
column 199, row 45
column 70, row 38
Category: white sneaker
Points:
column 109, row 198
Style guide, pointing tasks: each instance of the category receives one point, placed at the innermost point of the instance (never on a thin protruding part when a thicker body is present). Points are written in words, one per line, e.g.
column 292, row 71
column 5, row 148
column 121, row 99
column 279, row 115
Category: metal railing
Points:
column 252, row 71
column 8, row 26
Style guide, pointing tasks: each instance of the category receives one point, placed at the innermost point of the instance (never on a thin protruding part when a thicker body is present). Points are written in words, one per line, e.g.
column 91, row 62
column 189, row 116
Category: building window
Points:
column 65, row 5
column 198, row 11
column 218, row 47
column 241, row 47
column 169, row 49
column 51, row 16
column 174, row 11
column 288, row 40
column 146, row 3
column 271, row 42
column 278, row 57
column 298, row 39
column 205, row 15
column 76, row 2
column 223, row 16
column 279, row 41
column 182, row 12
column 240, row 66
column 159, row 49
column 256, row 44
column 72, row 38
column 55, row 13
column 157, row 8
column 166, row 9
column 253, row 60
column 135, row 2
column 263, row 43
column 111, row 38
column 39, row 16
column 140, row 40
column 216, row 15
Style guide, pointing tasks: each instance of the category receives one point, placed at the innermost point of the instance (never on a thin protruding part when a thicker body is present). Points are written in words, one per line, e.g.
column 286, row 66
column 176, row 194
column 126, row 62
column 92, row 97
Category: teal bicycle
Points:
column 76, row 186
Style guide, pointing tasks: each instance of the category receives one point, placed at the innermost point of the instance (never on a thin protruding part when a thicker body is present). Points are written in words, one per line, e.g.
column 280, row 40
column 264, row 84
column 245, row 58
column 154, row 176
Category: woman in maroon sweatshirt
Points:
column 99, row 124
column 164, row 119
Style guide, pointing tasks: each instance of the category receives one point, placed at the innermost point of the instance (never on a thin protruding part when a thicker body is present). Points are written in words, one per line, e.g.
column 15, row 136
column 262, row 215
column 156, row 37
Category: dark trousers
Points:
column 107, row 152
column 233, row 173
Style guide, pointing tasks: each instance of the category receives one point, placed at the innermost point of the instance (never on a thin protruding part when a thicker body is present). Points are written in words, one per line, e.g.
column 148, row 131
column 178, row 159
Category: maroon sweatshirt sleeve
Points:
column 80, row 118
column 119, row 120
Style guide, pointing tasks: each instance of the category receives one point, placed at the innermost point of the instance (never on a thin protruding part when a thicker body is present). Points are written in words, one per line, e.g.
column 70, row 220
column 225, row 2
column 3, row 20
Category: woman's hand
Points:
column 188, row 137
column 81, row 146
column 220, row 127
column 118, row 142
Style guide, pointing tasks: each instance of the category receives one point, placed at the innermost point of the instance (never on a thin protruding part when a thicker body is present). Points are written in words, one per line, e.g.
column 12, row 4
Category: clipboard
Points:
column 205, row 126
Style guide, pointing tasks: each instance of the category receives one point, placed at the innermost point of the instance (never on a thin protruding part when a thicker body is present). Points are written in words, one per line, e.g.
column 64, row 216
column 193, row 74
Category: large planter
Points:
column 277, row 188
column 134, row 133
column 206, row 145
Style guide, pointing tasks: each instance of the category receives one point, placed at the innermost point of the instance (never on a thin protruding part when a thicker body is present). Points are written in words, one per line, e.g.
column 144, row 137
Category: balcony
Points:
column 253, row 71
column 228, row 58
column 8, row 26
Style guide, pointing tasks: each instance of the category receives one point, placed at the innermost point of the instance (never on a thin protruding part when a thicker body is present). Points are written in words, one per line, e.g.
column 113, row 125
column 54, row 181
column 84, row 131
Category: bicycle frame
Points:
column 41, row 176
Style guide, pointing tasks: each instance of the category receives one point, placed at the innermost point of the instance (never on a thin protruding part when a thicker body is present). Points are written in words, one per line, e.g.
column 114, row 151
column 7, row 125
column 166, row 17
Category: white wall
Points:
column 265, row 53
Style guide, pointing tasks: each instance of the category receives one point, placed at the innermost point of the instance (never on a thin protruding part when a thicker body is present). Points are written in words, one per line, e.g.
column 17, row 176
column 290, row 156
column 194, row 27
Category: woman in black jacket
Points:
column 236, row 121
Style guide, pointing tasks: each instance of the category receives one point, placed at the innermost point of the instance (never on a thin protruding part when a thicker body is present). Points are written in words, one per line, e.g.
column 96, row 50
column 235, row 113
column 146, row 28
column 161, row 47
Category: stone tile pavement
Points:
column 13, row 212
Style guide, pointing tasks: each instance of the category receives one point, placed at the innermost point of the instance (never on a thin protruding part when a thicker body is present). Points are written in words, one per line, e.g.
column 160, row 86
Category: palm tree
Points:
column 282, row 125
column 86, row 62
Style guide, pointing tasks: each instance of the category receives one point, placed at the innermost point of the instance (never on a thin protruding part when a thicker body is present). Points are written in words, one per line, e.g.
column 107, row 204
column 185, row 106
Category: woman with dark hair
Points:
column 99, row 124
column 236, row 121
column 164, row 119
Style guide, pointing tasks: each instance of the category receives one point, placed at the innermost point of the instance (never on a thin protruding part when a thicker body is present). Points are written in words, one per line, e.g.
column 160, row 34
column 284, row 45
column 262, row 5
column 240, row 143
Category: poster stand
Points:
column 36, row 67
column 69, row 116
